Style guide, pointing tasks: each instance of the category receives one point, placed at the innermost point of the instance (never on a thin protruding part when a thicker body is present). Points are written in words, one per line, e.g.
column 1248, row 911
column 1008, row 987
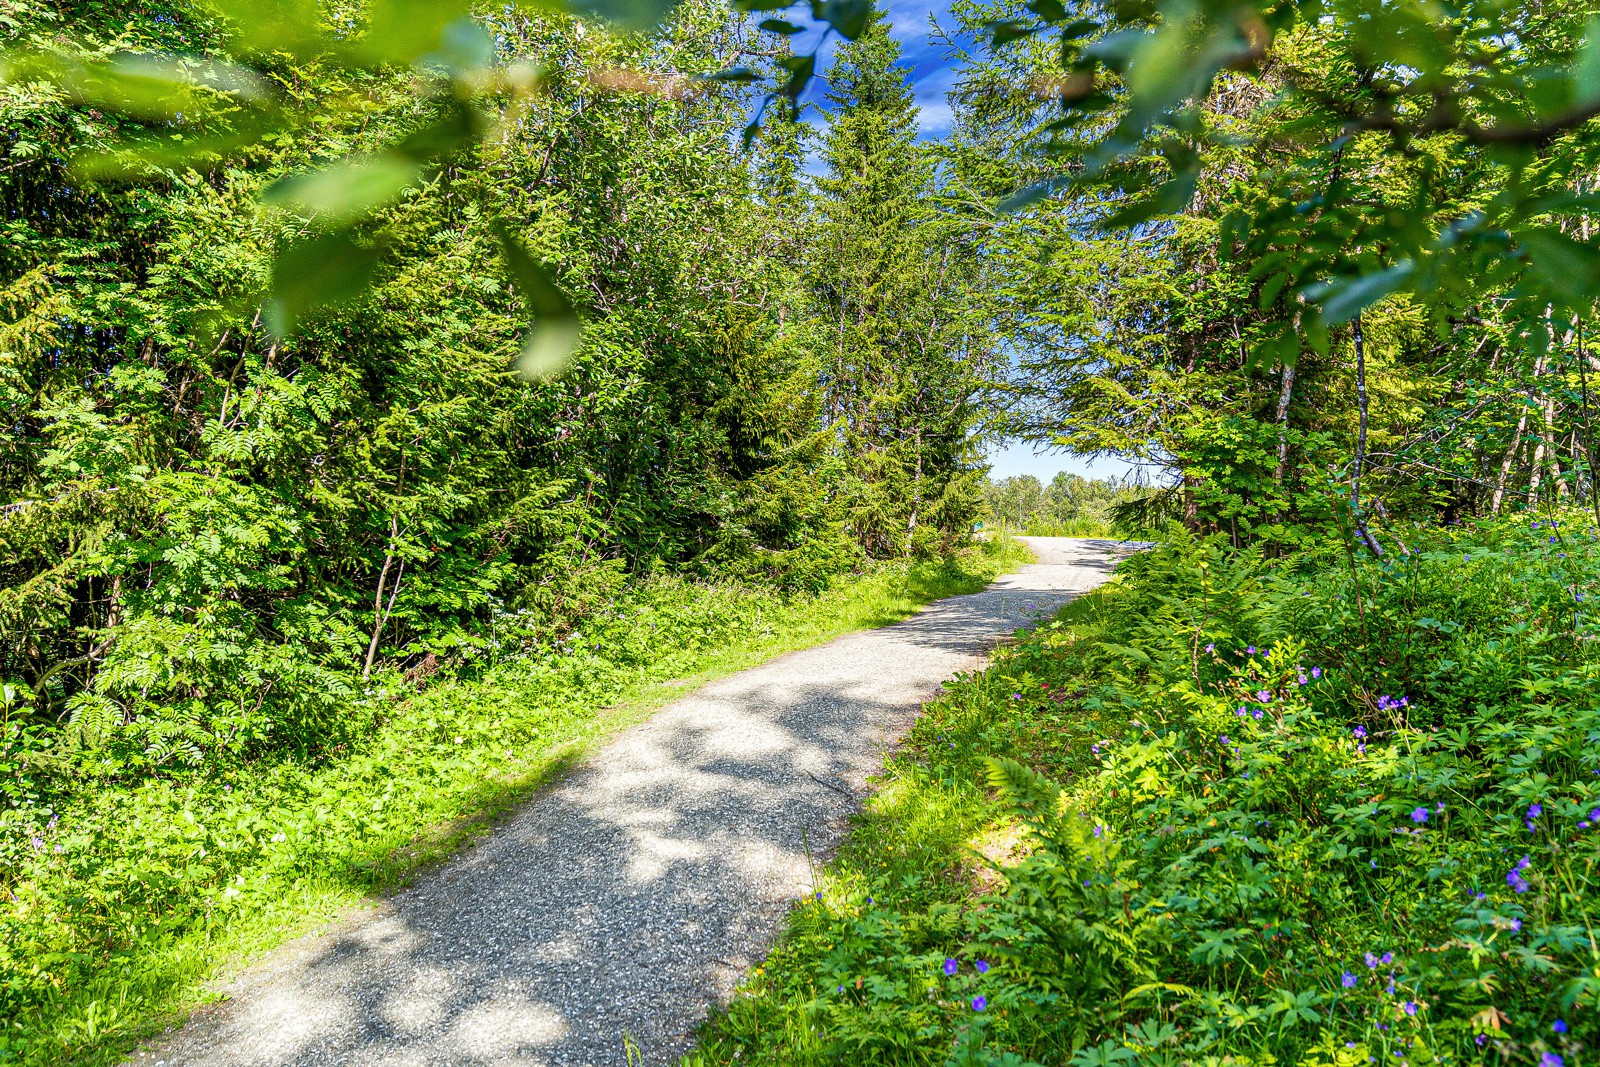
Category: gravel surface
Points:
column 614, row 909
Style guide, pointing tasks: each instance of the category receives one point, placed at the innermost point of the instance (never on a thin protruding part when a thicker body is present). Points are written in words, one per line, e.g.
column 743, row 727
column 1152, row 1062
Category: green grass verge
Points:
column 144, row 893
column 1327, row 810
column 895, row 900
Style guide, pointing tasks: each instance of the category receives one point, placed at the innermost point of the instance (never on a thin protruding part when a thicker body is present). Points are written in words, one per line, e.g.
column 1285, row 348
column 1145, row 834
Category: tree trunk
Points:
column 379, row 616
column 1361, row 442
column 1506, row 464
column 1284, row 395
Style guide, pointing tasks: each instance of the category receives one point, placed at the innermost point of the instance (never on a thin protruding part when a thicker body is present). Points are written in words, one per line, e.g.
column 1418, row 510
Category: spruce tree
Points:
column 900, row 374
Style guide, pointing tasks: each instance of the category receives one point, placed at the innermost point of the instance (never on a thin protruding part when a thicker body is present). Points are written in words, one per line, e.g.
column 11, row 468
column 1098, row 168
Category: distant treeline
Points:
column 1070, row 506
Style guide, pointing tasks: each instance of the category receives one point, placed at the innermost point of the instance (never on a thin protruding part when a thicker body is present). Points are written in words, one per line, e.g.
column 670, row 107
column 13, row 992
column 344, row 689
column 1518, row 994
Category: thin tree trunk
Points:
column 1361, row 442
column 1506, row 464
column 1588, row 420
column 1284, row 396
column 380, row 617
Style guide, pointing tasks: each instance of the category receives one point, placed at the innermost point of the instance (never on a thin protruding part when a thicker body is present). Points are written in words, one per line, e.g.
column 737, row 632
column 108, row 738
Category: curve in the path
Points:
column 618, row 906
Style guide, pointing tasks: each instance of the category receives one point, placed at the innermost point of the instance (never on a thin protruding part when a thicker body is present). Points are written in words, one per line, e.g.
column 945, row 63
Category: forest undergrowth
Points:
column 123, row 898
column 1327, row 809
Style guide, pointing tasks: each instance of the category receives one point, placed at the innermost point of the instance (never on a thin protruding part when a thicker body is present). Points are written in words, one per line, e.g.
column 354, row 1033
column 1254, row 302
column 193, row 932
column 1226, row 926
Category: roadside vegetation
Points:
column 1069, row 506
column 123, row 898
column 1233, row 809
column 395, row 394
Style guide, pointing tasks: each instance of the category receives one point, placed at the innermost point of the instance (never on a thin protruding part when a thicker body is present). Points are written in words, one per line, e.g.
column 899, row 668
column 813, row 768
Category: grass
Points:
column 1243, row 809
column 922, row 851
column 145, row 894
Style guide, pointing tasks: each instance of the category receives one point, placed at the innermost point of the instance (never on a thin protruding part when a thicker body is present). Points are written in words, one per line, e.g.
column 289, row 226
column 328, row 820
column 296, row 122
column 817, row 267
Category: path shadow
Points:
column 612, row 910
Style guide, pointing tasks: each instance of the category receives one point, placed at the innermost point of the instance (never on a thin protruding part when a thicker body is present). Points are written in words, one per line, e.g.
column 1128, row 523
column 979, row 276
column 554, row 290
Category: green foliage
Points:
column 903, row 332
column 1070, row 506
column 1309, row 810
column 213, row 531
column 118, row 902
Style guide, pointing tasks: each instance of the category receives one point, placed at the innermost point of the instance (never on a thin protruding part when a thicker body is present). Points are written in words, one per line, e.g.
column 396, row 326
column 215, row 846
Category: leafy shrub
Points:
column 120, row 894
column 1332, row 810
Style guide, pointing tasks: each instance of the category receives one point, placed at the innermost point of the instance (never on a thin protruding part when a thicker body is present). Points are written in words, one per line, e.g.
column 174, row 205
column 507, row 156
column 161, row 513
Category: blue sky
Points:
column 926, row 68
column 931, row 77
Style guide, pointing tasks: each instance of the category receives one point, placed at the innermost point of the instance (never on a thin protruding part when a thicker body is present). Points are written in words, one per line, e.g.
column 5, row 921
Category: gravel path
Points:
column 618, row 905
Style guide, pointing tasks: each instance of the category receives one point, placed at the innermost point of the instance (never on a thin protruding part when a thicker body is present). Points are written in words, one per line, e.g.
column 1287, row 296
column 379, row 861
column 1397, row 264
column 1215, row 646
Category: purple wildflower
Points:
column 1409, row 1007
column 982, row 966
column 951, row 966
column 1257, row 713
column 1559, row 1026
column 1550, row 1059
column 981, row 1002
column 1419, row 815
column 1263, row 696
column 1516, row 925
column 1316, row 672
column 1348, row 980
column 1251, row 650
column 1387, row 957
column 1372, row 961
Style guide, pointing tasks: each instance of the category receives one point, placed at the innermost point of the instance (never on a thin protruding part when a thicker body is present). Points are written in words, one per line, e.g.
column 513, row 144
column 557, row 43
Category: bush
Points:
column 1332, row 810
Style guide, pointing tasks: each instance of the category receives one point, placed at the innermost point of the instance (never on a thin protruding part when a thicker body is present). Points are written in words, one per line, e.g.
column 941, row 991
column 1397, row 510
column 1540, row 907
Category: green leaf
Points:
column 460, row 125
column 732, row 74
column 345, row 191
column 1567, row 266
column 1342, row 301
column 403, row 31
column 329, row 268
column 629, row 14
column 848, row 17
column 1049, row 10
column 464, row 46
column 291, row 26
column 556, row 326
column 149, row 156
column 780, row 26
column 1586, row 71
column 800, row 69
column 1003, row 33
column 1272, row 350
column 1169, row 198
column 1025, row 198
column 136, row 85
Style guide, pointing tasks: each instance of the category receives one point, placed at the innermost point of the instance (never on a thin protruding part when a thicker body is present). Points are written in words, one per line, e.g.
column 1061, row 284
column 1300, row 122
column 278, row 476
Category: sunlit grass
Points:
column 442, row 768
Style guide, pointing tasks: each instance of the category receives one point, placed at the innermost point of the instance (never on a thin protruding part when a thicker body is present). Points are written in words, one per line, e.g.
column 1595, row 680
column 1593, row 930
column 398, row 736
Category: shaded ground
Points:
column 617, row 906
